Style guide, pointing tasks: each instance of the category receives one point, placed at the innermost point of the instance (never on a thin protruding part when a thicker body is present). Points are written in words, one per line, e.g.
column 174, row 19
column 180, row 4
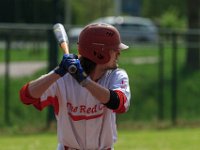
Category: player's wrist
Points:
column 60, row 71
column 85, row 82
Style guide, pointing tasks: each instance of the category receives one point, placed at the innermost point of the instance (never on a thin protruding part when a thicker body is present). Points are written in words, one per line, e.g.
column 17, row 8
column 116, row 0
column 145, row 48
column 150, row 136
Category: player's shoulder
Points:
column 117, row 72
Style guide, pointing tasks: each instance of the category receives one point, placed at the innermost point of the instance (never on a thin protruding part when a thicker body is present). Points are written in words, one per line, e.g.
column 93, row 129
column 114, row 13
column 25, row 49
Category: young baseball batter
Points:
column 85, row 102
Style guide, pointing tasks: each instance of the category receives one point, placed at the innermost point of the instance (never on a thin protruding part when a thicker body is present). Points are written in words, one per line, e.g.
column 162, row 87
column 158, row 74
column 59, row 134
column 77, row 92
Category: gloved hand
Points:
column 67, row 61
column 80, row 74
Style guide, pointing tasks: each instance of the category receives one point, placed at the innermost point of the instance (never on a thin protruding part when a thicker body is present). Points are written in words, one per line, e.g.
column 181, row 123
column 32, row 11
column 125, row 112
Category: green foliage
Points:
column 144, row 85
column 166, row 14
column 155, row 8
column 82, row 11
column 171, row 19
column 85, row 11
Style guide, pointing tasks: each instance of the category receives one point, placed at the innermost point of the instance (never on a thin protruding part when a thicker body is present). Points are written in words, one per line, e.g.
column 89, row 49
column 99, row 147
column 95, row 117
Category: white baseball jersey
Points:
column 82, row 121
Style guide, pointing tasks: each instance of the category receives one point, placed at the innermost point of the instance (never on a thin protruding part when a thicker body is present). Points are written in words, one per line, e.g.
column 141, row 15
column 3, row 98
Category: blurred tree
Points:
column 173, row 14
column 193, row 38
column 85, row 11
column 155, row 8
column 171, row 19
column 164, row 12
column 41, row 11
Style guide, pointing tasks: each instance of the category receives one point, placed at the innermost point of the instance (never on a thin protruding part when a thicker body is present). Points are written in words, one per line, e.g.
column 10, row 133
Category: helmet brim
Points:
column 123, row 46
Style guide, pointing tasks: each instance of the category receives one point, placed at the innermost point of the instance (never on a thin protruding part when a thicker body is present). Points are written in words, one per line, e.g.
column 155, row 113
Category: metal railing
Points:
column 10, row 34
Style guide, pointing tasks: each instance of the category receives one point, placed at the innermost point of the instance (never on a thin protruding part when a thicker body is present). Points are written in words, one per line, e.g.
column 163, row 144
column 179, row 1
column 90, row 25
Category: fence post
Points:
column 174, row 78
column 52, row 63
column 53, row 53
column 161, row 80
column 7, row 82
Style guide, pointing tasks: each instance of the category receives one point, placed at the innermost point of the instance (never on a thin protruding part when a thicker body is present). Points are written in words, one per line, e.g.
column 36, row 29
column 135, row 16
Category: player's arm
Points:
column 31, row 92
column 99, row 92
column 37, row 87
column 112, row 99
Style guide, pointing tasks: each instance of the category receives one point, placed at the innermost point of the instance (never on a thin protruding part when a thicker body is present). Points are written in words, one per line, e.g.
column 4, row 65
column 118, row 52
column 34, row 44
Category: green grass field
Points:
column 145, row 139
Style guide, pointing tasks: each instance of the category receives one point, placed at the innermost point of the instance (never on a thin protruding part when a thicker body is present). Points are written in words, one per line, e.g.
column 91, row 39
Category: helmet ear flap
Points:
column 99, row 53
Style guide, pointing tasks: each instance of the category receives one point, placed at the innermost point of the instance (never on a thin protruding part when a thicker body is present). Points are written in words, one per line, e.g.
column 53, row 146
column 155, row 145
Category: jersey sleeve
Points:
column 48, row 98
column 119, row 82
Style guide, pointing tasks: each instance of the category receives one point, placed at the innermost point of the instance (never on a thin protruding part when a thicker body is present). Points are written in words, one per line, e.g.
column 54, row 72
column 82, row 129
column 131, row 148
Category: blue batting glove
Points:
column 67, row 61
column 80, row 74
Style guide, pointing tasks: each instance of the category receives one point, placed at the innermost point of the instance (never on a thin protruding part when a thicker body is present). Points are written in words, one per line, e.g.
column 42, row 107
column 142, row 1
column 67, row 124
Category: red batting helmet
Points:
column 95, row 41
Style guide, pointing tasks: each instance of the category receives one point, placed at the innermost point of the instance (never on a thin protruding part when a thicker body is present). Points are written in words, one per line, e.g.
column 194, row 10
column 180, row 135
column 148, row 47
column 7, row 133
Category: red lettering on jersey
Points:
column 75, row 109
column 89, row 110
column 101, row 107
column 72, row 108
column 69, row 106
column 94, row 109
column 82, row 109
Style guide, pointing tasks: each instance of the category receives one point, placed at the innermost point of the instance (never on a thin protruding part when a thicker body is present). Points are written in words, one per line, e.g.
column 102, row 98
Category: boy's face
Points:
column 113, row 62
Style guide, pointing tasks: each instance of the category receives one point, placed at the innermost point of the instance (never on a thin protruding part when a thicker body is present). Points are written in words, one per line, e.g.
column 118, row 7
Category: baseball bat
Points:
column 62, row 39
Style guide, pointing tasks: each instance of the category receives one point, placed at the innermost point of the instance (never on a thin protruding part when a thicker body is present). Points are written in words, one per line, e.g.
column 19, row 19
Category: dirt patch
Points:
column 20, row 69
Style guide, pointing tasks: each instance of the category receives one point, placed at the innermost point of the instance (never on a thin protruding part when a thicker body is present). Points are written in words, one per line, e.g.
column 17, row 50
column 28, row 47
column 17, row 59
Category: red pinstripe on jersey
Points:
column 84, row 117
